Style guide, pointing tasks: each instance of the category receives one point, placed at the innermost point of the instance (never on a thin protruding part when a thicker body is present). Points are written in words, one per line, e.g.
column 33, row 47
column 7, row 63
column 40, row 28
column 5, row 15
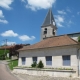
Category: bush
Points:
column 34, row 64
column 40, row 64
column 2, row 57
column 79, row 39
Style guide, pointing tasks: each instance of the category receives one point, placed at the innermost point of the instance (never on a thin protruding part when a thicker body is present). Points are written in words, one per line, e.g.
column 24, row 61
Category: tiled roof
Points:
column 7, row 47
column 10, row 46
column 52, row 42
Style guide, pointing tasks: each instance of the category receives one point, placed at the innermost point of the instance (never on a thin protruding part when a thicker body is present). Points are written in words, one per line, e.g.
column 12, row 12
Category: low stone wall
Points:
column 45, row 72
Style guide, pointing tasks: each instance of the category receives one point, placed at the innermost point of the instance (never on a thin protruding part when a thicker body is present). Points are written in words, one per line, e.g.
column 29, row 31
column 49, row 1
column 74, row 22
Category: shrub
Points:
column 79, row 39
column 34, row 64
column 3, row 54
column 40, row 64
column 2, row 57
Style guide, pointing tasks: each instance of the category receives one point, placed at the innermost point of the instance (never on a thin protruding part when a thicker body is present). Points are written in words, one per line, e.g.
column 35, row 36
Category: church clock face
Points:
column 53, row 23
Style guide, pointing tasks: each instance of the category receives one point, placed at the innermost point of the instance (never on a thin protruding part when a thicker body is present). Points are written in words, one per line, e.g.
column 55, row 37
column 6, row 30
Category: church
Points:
column 54, row 51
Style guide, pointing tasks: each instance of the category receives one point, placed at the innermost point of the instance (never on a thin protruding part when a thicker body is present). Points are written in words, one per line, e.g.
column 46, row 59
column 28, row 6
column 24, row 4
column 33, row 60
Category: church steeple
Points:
column 48, row 28
column 49, row 19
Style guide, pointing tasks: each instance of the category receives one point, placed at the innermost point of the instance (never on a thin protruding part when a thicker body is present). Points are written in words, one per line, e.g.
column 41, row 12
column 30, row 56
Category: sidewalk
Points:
column 29, row 77
column 4, row 61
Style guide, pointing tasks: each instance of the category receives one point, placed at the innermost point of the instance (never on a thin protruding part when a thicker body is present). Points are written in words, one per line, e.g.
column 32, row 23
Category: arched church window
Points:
column 45, row 31
column 53, row 32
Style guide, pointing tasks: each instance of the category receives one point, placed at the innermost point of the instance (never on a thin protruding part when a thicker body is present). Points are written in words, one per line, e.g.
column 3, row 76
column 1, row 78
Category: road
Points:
column 4, row 72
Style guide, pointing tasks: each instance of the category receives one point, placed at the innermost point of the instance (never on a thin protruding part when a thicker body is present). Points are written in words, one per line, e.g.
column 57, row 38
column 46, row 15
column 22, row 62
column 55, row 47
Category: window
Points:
column 35, row 59
column 48, row 60
column 23, row 60
column 45, row 31
column 66, row 60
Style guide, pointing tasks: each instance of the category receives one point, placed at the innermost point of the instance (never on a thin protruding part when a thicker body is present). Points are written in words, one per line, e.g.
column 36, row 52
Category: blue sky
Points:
column 21, row 20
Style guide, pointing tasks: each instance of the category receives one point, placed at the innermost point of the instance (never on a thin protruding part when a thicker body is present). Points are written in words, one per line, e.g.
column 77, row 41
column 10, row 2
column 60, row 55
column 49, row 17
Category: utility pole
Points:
column 6, row 42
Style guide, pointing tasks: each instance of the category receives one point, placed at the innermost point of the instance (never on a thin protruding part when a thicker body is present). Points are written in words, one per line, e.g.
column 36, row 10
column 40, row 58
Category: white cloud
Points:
column 23, row 0
column 9, row 43
column 26, row 38
column 68, row 9
column 78, row 13
column 1, row 14
column 9, row 33
column 6, row 4
column 70, row 22
column 61, row 12
column 73, row 16
column 39, row 4
column 3, row 21
column 59, row 20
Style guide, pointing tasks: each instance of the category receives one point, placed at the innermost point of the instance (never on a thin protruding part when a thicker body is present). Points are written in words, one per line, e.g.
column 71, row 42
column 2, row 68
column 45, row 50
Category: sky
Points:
column 21, row 20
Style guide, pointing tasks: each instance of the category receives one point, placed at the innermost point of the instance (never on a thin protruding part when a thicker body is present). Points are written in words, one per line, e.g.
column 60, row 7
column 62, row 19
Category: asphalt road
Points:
column 4, row 72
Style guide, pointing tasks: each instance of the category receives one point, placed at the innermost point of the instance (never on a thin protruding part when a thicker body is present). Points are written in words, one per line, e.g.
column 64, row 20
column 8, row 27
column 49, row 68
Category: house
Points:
column 54, row 51
column 74, row 35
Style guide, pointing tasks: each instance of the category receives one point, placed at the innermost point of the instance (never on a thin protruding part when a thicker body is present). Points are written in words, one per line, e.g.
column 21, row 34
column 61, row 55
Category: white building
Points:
column 54, row 51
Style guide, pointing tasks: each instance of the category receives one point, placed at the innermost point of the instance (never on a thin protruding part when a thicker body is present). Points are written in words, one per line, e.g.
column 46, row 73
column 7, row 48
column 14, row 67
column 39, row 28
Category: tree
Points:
column 40, row 64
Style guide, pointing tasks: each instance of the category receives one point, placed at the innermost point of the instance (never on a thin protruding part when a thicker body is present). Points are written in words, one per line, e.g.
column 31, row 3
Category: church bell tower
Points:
column 48, row 28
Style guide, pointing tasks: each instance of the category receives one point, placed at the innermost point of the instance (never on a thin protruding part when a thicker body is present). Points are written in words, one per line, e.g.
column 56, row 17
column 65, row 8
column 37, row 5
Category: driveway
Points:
column 4, row 72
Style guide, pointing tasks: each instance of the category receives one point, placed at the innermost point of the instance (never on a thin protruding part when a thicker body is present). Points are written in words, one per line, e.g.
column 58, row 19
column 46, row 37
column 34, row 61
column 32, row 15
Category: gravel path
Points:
column 28, row 77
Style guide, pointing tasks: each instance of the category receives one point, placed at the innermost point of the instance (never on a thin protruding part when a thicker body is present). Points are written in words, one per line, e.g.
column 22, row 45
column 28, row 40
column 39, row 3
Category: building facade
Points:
column 58, row 52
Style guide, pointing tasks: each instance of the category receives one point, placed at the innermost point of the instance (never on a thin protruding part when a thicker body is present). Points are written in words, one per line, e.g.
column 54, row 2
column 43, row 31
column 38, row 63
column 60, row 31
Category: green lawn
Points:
column 13, row 63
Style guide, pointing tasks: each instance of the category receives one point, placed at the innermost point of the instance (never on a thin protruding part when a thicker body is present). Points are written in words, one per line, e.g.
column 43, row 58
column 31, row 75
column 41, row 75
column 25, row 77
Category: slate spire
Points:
column 49, row 19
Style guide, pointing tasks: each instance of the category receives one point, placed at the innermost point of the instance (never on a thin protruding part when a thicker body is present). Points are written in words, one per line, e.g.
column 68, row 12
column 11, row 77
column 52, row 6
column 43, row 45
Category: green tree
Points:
column 40, row 64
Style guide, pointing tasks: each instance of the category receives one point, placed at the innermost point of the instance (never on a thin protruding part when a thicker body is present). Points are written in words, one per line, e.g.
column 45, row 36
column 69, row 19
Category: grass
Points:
column 13, row 63
column 2, row 52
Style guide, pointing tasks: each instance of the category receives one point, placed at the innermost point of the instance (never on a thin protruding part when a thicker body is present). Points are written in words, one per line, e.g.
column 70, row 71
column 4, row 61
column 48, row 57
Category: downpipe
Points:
column 78, row 60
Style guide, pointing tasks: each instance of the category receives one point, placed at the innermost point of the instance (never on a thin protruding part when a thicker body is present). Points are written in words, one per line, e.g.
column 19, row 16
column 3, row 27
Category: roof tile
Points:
column 52, row 42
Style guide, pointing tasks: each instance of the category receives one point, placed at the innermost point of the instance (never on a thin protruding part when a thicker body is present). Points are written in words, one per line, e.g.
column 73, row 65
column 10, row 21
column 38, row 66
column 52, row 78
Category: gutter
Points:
column 46, row 47
column 78, row 61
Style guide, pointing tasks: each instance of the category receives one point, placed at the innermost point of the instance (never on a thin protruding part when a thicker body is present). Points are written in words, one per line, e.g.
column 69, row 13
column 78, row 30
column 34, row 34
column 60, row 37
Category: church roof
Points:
column 49, row 19
column 56, row 41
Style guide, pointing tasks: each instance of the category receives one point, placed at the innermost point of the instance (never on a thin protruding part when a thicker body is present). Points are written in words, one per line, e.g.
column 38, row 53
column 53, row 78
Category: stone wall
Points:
column 43, row 72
